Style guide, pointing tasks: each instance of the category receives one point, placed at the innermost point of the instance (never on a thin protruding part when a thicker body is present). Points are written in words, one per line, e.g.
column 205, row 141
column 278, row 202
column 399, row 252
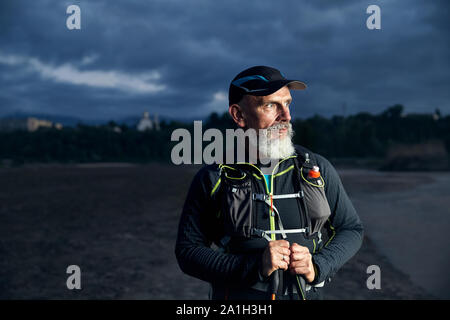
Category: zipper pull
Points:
column 272, row 213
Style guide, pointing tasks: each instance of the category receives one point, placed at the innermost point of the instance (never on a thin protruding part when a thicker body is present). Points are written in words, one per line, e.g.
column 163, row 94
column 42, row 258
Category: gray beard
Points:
column 271, row 146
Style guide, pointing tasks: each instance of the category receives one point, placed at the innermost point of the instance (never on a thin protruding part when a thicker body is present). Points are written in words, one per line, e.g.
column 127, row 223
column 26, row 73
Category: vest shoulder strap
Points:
column 305, row 155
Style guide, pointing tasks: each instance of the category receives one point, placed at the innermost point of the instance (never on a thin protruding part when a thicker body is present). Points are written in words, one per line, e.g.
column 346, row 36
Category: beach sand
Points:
column 118, row 223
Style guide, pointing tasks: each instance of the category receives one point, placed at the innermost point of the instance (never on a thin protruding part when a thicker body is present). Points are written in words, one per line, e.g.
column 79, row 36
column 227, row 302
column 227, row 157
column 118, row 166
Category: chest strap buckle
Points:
column 265, row 197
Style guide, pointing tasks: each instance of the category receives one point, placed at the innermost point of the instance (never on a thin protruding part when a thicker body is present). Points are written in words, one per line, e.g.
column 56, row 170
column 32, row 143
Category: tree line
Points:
column 362, row 135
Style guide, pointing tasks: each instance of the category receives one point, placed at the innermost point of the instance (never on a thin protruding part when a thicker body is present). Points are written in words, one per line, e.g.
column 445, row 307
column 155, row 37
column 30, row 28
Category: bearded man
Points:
column 277, row 229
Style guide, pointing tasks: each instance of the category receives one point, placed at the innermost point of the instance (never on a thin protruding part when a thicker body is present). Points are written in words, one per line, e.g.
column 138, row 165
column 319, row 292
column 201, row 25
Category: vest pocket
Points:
column 317, row 208
column 238, row 214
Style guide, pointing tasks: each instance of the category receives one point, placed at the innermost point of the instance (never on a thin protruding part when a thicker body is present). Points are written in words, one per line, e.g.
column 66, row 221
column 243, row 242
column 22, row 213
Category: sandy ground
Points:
column 407, row 215
column 118, row 223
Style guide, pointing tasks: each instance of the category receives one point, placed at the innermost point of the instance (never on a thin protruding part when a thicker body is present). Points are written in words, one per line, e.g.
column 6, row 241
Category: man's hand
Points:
column 275, row 256
column 301, row 262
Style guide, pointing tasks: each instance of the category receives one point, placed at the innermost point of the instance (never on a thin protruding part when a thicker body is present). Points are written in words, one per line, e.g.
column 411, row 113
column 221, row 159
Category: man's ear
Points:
column 236, row 113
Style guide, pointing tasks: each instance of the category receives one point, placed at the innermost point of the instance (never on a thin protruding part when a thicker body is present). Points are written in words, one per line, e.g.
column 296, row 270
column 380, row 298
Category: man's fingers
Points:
column 283, row 251
column 279, row 247
column 276, row 256
column 283, row 265
column 300, row 256
column 279, row 243
column 284, row 258
column 300, row 267
column 298, row 248
column 299, row 270
column 280, row 259
column 299, row 264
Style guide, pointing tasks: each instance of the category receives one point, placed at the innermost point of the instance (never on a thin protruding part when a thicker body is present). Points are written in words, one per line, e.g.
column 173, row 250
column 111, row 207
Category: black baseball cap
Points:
column 260, row 81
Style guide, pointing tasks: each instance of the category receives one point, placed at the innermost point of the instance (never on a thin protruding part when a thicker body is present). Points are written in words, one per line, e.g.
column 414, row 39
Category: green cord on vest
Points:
column 315, row 185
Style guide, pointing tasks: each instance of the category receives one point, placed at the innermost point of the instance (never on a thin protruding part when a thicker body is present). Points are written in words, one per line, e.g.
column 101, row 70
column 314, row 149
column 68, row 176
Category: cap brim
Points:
column 296, row 85
column 276, row 85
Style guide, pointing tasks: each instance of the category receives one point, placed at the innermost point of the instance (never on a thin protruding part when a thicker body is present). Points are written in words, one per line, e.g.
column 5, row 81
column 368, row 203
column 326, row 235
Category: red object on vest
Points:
column 314, row 173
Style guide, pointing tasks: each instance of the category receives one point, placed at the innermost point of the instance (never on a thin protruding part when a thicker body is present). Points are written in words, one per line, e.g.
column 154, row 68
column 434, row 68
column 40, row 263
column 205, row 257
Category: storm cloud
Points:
column 176, row 58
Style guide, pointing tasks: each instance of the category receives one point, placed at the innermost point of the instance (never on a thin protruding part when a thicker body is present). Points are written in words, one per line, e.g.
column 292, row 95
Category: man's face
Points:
column 266, row 111
column 269, row 116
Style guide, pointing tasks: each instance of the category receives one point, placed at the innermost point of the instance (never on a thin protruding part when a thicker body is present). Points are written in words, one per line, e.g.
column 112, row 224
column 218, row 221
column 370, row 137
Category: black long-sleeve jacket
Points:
column 201, row 224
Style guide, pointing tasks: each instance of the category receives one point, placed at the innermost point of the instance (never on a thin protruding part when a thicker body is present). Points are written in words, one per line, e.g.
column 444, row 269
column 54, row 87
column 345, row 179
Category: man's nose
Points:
column 284, row 115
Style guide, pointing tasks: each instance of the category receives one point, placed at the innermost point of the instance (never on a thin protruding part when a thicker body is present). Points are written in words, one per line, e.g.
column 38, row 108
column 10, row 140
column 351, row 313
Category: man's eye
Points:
column 270, row 105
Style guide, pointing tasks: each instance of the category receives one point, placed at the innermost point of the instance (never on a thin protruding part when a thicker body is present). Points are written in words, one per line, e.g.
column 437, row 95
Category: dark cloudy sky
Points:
column 176, row 58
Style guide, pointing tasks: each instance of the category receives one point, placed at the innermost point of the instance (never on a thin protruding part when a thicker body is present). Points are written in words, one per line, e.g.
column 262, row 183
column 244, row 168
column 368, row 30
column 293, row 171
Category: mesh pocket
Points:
column 238, row 205
column 318, row 210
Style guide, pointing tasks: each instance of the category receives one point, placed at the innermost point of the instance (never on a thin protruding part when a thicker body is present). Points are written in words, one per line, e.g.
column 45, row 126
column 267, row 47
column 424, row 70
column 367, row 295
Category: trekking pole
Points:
column 274, row 283
column 301, row 286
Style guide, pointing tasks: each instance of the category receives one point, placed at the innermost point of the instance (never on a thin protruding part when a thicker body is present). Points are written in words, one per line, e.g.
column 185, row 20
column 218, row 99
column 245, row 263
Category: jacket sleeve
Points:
column 198, row 228
column 344, row 223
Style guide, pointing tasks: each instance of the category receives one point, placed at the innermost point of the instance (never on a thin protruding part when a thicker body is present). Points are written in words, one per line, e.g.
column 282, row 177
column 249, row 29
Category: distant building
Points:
column 147, row 124
column 29, row 124
column 436, row 115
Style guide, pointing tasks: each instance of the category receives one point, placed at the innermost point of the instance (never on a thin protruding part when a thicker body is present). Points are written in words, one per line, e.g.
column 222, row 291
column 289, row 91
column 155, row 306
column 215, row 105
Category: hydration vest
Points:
column 294, row 207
